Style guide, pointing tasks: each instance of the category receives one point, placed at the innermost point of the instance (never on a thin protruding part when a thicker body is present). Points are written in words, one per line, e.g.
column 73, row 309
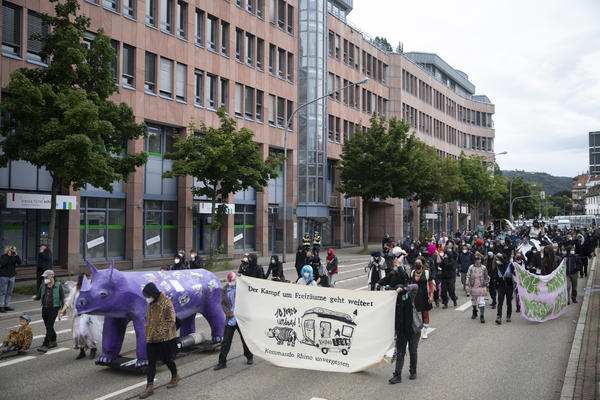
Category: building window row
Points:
column 281, row 63
column 473, row 117
column 425, row 92
column 372, row 103
column 279, row 110
column 249, row 103
column 252, row 6
column 350, row 55
column 281, row 15
column 336, row 127
column 12, row 28
column 410, row 83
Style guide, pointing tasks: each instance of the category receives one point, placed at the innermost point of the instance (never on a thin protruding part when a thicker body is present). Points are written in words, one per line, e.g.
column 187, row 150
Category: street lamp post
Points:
column 287, row 128
column 510, row 215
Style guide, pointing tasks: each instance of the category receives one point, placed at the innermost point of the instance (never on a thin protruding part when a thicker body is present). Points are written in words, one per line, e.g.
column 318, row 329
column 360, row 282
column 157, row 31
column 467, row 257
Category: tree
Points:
column 378, row 163
column 383, row 43
column 476, row 184
column 60, row 117
column 223, row 160
column 563, row 205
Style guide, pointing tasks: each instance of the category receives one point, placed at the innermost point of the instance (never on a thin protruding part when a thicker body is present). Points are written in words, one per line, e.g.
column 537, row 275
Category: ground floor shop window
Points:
column 244, row 227
column 201, row 234
column 102, row 226
column 349, row 225
column 160, row 228
column 407, row 219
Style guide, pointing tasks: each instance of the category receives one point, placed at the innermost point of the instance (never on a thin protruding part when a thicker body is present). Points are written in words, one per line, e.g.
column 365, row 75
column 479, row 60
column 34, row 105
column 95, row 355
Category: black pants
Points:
column 316, row 249
column 493, row 290
column 584, row 266
column 373, row 286
column 401, row 342
column 49, row 316
column 226, row 345
column 39, row 280
column 505, row 290
column 164, row 351
column 448, row 289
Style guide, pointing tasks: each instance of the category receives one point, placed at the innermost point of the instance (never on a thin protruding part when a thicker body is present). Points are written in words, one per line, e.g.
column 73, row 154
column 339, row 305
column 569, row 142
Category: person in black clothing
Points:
column 300, row 260
column 244, row 264
column 178, row 263
column 8, row 263
column 44, row 263
column 254, row 269
column 448, row 276
column 490, row 265
column 583, row 252
column 572, row 269
column 319, row 272
column 413, row 253
column 196, row 262
column 534, row 261
column 406, row 333
column 275, row 268
column 505, row 273
column 376, row 269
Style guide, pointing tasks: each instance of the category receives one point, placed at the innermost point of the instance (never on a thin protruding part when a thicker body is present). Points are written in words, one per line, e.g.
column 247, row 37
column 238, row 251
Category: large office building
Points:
column 178, row 62
column 595, row 153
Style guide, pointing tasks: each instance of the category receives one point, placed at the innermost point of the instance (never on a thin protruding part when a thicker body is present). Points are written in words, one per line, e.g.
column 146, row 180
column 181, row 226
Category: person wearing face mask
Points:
column 245, row 262
column 196, row 261
column 505, row 272
column 228, row 303
column 518, row 260
column 161, row 336
column 332, row 267
column 423, row 301
column 53, row 298
column 573, row 267
column 275, row 268
column 490, row 265
column 465, row 259
column 300, row 260
column 177, row 263
column 478, row 281
column 583, row 251
column 376, row 269
column 448, row 275
column 413, row 253
column 549, row 261
column 306, row 277
column 534, row 261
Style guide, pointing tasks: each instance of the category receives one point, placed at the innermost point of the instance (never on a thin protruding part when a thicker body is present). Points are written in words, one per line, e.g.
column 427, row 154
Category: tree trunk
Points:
column 52, row 224
column 365, row 224
column 422, row 222
column 475, row 217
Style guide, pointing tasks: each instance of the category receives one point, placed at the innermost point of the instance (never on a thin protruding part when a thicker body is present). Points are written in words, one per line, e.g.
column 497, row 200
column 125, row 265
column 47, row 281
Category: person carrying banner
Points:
column 506, row 272
column 478, row 281
column 332, row 267
column 306, row 277
column 228, row 304
column 376, row 269
column 421, row 277
column 275, row 268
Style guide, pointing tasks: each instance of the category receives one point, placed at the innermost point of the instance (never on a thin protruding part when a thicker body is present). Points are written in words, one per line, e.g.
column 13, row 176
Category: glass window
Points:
column 114, row 64
column 224, row 38
column 111, row 5
column 249, row 49
column 128, row 66
column 181, row 82
column 224, row 100
column 166, row 15
column 260, row 53
column 272, row 61
column 166, row 77
column 281, row 14
column 181, row 19
column 244, row 228
column 151, row 12
column 290, row 19
column 239, row 35
column 280, row 112
column 11, row 29
column 211, row 91
column 249, row 104
column 199, row 27
column 260, row 8
column 160, row 228
column 271, row 109
column 211, row 34
column 290, row 106
column 281, row 64
column 198, row 87
column 238, row 99
column 250, row 6
column 34, row 46
column 272, row 11
column 259, row 105
column 129, row 8
column 154, row 142
column 150, row 73
column 102, row 228
column 290, row 67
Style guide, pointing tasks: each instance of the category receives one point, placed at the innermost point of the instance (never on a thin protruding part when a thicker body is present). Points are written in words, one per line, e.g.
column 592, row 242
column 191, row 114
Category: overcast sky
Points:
column 537, row 60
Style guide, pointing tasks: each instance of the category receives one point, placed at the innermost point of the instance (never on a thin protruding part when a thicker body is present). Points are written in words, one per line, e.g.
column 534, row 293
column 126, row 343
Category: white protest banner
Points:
column 327, row 329
column 542, row 297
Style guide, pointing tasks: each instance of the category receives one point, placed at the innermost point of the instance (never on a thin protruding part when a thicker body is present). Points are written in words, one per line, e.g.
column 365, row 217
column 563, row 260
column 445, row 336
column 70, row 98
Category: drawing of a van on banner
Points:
column 327, row 330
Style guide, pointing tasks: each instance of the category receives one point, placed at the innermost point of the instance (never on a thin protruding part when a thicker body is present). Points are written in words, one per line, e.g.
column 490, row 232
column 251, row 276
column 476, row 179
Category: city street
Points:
column 515, row 360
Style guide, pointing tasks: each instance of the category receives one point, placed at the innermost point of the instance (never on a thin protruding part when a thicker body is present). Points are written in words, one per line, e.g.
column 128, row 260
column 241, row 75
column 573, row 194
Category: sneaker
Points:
column 568, row 302
column 395, row 379
column 455, row 304
column 493, row 306
column 2, row 309
column 508, row 319
column 9, row 309
column 499, row 320
column 424, row 333
column 250, row 361
column 92, row 354
column 574, row 301
column 81, row 354
column 412, row 376
column 220, row 366
column 444, row 306
column 52, row 345
column 43, row 349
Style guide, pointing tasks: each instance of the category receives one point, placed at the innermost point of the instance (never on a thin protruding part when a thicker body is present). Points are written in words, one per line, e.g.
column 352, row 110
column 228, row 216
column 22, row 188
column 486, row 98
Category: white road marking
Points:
column 57, row 332
column 126, row 389
column 40, row 321
column 464, row 306
column 16, row 360
column 21, row 301
column 56, row 350
column 361, row 288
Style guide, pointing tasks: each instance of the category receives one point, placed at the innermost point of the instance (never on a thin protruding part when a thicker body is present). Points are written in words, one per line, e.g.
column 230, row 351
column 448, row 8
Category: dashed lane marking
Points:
column 57, row 332
column 464, row 306
column 16, row 360
column 60, row 349
column 124, row 390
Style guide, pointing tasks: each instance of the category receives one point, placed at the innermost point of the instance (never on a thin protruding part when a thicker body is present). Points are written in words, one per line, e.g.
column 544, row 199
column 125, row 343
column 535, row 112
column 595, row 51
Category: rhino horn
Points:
column 111, row 268
column 93, row 269
column 85, row 284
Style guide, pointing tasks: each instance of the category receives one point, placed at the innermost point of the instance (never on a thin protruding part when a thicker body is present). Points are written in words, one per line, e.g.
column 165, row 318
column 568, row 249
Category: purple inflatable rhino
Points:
column 118, row 296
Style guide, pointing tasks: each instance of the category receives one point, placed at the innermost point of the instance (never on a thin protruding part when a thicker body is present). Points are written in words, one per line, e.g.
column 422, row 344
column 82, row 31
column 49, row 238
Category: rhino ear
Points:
column 111, row 270
column 93, row 269
column 85, row 284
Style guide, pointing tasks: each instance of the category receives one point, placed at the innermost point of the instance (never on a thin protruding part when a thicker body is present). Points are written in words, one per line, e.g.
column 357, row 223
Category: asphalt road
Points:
column 462, row 359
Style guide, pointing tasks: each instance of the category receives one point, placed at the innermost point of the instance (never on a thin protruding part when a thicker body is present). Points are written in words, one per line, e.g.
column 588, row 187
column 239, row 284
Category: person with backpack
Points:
column 306, row 277
column 421, row 277
column 275, row 268
column 332, row 267
column 255, row 270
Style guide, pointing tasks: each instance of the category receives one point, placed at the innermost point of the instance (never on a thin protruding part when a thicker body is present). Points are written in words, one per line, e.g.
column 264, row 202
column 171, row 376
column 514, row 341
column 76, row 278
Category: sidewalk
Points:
column 23, row 303
column 582, row 378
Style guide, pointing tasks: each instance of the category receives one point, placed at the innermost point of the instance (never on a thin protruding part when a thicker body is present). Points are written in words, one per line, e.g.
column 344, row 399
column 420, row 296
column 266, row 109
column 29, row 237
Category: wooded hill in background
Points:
column 551, row 184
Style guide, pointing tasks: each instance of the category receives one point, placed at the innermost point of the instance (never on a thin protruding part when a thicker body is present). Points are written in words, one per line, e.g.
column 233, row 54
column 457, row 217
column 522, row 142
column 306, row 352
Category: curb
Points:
column 568, row 388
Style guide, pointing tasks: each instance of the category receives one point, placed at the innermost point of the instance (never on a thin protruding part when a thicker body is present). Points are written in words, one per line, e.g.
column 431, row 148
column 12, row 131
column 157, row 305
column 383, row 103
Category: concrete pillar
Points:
column 262, row 216
column 134, row 213
column 185, row 214
column 70, row 233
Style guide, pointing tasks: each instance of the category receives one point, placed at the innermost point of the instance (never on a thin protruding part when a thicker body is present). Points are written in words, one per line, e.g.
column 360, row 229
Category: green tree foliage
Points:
column 563, row 205
column 383, row 43
column 223, row 160
column 476, row 187
column 380, row 162
column 551, row 184
column 60, row 117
